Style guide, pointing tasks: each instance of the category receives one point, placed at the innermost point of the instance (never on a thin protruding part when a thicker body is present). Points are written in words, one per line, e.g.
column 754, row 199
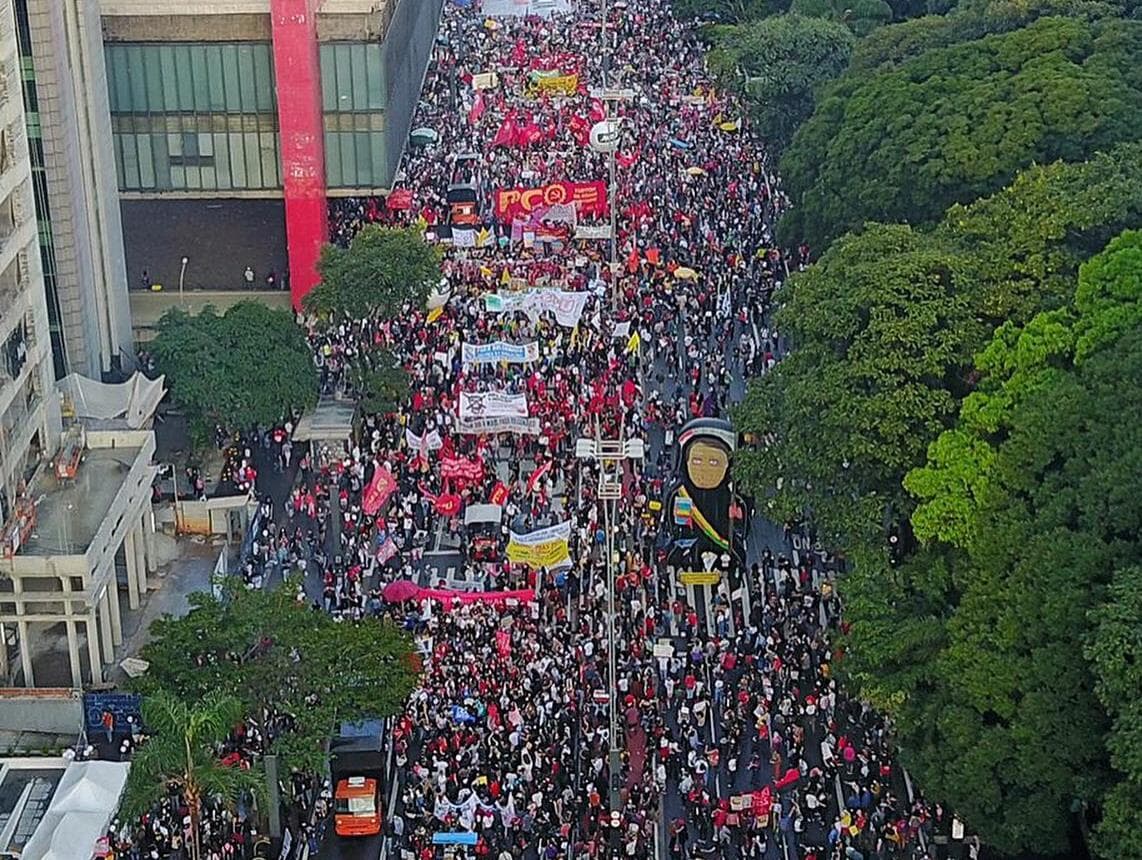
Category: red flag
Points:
column 626, row 159
column 399, row 198
column 478, row 108
column 632, row 260
column 653, row 256
column 580, row 130
column 519, row 53
column 598, row 111
column 507, row 131
column 528, row 135
column 762, row 803
column 447, row 504
column 378, row 491
column 535, row 477
column 499, row 493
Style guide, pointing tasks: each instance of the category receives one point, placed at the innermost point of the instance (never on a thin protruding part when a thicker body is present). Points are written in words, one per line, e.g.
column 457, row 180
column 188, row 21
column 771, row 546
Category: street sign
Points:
column 611, row 94
column 700, row 577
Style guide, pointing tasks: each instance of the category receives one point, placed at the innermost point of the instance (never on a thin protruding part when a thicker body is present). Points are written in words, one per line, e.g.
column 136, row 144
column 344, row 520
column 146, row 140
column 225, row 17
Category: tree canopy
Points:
column 383, row 268
column 904, row 143
column 249, row 366
column 1002, row 645
column 886, row 323
column 272, row 652
column 783, row 58
column 182, row 749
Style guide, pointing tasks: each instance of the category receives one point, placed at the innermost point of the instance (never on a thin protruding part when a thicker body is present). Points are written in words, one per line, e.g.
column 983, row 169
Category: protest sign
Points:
column 498, row 424
column 429, row 442
column 590, row 198
column 492, row 404
column 566, row 306
column 546, row 547
column 490, row 353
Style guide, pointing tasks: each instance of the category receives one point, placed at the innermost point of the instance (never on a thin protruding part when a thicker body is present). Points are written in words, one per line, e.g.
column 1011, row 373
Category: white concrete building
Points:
column 29, row 413
column 69, row 506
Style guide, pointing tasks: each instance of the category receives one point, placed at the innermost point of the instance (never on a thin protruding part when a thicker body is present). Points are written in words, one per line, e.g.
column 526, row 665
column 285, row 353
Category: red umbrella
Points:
column 400, row 591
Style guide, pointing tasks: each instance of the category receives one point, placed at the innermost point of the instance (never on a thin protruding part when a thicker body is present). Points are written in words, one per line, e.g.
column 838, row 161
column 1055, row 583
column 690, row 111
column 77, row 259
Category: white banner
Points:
column 492, row 404
column 432, row 443
column 593, row 231
column 499, row 424
column 490, row 353
column 566, row 306
column 559, row 531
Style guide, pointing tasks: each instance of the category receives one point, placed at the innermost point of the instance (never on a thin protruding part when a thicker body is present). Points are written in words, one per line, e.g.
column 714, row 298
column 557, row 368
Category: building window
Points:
column 189, row 116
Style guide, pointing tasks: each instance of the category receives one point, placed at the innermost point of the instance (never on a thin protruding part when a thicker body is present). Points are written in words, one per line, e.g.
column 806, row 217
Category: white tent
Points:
column 81, row 809
column 127, row 404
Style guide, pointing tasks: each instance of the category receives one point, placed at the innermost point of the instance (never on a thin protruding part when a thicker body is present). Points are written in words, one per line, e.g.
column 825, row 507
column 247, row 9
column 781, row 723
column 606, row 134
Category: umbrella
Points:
column 695, row 171
column 400, row 590
column 423, row 136
column 685, row 273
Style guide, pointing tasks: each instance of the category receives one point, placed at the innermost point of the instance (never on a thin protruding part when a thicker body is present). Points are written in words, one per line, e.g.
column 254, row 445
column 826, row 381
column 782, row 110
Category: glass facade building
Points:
column 194, row 117
column 203, row 116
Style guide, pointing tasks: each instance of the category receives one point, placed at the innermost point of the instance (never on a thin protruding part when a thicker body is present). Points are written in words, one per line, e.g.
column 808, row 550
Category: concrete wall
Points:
column 148, row 308
column 49, row 710
column 219, row 237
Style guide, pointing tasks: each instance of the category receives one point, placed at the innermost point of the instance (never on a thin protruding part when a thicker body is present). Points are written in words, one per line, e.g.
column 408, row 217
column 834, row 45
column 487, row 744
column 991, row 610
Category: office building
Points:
column 29, row 412
column 74, row 185
column 233, row 121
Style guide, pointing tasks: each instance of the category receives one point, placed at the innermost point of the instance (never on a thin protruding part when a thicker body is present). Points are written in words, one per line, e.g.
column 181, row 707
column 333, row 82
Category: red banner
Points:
column 590, row 198
column 461, row 469
column 378, row 491
column 762, row 803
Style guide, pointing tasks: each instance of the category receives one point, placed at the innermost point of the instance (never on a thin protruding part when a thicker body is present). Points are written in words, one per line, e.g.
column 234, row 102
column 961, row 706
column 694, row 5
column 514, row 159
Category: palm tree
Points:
column 183, row 751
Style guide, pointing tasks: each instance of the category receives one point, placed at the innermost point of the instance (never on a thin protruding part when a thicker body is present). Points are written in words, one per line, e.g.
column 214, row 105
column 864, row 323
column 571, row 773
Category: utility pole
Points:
column 610, row 455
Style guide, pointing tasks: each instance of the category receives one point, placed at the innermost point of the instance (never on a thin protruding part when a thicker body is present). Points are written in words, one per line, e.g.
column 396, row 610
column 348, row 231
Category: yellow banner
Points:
column 566, row 85
column 700, row 577
column 549, row 554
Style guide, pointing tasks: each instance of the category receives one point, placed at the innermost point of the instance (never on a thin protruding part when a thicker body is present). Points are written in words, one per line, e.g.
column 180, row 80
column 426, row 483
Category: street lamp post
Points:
column 182, row 278
column 610, row 455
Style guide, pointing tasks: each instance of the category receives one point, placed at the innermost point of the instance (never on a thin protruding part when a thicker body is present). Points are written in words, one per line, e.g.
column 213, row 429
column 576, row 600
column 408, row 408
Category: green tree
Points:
column 777, row 63
column 890, row 46
column 383, row 269
column 727, row 11
column 380, row 382
column 1115, row 652
column 954, row 123
column 876, row 296
column 182, row 751
column 249, row 366
column 271, row 651
column 859, row 16
column 882, row 330
column 1037, row 491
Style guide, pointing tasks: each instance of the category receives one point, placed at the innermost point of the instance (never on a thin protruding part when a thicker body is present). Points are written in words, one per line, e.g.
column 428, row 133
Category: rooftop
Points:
column 25, row 794
column 227, row 7
column 69, row 513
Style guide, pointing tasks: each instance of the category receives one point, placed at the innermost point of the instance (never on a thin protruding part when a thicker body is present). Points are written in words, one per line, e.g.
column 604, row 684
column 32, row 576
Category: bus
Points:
column 357, row 807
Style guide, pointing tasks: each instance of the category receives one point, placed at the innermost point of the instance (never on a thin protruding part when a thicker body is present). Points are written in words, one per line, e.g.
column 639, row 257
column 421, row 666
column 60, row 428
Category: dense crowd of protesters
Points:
column 740, row 735
column 731, row 722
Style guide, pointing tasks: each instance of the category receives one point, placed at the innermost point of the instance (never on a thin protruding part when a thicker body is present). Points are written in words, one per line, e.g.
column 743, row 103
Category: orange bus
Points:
column 357, row 807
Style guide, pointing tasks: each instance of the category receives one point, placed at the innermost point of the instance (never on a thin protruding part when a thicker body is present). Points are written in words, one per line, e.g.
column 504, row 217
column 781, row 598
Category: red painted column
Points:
column 297, row 74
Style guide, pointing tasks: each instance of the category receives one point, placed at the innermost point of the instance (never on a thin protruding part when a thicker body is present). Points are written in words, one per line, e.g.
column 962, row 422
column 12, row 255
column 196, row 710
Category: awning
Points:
column 81, row 809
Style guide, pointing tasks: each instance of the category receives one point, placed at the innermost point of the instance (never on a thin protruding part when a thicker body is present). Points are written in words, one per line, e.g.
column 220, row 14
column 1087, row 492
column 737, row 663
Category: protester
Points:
column 734, row 738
